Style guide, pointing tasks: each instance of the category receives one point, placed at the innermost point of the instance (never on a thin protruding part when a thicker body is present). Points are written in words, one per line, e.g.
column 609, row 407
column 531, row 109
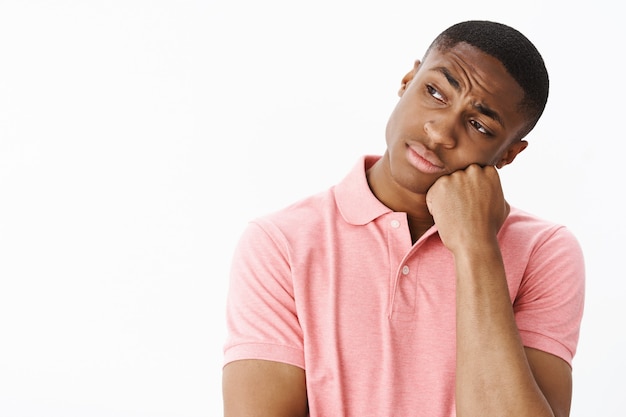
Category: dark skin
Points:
column 445, row 113
column 457, row 120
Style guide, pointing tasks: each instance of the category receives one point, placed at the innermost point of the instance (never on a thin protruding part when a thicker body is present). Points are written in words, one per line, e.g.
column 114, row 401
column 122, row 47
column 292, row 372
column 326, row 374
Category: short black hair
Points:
column 514, row 50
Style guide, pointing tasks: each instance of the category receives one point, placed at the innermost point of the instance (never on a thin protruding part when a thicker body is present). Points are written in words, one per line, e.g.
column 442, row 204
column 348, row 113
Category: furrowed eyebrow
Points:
column 453, row 81
column 482, row 109
column 489, row 113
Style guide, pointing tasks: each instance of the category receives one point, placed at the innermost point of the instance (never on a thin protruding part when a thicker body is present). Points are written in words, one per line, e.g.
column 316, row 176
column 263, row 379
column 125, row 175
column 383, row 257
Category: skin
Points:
column 457, row 120
column 256, row 388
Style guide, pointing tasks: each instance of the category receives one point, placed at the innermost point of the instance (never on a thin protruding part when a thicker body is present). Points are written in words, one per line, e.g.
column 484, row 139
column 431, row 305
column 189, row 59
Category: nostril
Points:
column 432, row 131
column 440, row 134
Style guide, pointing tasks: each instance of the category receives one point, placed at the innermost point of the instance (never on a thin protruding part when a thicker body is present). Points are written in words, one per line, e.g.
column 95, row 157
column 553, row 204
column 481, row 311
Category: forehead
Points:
column 476, row 72
column 479, row 78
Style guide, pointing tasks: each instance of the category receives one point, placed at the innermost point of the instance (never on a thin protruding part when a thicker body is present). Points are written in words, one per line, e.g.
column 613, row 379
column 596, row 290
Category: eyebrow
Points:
column 453, row 81
column 482, row 109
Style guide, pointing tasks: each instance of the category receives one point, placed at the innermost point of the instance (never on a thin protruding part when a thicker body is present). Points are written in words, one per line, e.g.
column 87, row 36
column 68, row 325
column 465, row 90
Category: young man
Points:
column 412, row 288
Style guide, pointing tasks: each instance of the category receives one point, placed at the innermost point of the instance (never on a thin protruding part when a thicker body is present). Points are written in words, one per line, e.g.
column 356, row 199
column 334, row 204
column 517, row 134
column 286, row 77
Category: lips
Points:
column 423, row 159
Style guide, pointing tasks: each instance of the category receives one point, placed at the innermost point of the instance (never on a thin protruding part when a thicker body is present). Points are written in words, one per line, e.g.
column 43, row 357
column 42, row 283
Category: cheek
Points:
column 494, row 161
column 400, row 130
column 405, row 117
column 473, row 155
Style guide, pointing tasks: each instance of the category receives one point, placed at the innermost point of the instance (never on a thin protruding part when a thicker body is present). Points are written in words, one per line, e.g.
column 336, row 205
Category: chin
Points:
column 417, row 182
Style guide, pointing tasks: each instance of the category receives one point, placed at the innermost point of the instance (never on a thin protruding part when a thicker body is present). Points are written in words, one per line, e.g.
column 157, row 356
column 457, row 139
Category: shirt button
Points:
column 395, row 224
column 405, row 270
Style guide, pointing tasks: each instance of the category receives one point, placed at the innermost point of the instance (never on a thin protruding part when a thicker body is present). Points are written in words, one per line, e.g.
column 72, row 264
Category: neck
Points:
column 399, row 199
column 419, row 226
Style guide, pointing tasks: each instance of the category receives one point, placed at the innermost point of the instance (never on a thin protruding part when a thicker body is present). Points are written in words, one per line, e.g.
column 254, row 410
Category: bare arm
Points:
column 496, row 375
column 257, row 388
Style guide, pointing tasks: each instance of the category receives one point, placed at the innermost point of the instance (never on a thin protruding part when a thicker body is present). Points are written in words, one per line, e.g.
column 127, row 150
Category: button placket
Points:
column 404, row 281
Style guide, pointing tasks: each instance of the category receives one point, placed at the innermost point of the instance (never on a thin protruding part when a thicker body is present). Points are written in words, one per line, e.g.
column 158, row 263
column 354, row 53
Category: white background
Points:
column 138, row 137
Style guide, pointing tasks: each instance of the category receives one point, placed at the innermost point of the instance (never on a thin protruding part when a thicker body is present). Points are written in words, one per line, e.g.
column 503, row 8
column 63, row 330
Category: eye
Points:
column 433, row 92
column 480, row 128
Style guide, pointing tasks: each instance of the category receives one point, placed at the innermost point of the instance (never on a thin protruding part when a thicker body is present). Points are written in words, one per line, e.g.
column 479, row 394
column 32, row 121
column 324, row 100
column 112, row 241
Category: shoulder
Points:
column 526, row 229
column 542, row 251
column 300, row 215
column 300, row 222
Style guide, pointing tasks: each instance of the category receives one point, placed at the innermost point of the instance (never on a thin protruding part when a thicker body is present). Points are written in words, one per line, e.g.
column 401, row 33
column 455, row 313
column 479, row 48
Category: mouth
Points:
column 424, row 160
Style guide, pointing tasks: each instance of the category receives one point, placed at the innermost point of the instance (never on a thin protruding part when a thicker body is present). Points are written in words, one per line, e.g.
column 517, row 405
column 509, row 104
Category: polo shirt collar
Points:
column 356, row 202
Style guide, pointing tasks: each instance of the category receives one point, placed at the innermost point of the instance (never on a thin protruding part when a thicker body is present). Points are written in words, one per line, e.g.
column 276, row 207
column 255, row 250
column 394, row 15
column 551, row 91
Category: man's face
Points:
column 457, row 108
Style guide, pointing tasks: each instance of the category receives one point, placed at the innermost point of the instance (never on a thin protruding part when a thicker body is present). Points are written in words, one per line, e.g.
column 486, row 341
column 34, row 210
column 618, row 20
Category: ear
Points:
column 510, row 154
column 406, row 80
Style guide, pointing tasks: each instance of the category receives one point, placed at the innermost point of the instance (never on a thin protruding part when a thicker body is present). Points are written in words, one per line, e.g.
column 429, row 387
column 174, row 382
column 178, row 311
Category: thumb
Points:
column 429, row 202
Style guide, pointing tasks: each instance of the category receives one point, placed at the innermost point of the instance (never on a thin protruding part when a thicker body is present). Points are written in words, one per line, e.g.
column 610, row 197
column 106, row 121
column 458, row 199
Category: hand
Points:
column 468, row 206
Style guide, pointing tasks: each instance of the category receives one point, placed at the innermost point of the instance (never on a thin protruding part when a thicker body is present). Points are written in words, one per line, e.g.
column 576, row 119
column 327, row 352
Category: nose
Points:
column 441, row 132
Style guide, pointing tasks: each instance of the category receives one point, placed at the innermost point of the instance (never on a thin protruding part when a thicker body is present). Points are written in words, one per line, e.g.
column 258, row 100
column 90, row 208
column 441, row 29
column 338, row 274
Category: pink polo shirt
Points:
column 332, row 284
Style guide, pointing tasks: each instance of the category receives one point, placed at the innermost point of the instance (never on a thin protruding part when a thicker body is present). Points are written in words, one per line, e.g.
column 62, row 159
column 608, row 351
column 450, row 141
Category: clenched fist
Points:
column 468, row 207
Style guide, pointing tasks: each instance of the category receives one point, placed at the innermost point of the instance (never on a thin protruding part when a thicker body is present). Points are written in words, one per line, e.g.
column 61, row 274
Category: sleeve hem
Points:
column 546, row 344
column 264, row 351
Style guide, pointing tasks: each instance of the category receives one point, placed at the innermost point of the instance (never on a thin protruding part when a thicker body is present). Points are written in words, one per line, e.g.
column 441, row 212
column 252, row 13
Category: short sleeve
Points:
column 261, row 317
column 549, row 305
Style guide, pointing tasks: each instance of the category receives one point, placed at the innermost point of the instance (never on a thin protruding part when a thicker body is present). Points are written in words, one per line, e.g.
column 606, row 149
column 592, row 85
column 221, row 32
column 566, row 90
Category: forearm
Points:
column 493, row 376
